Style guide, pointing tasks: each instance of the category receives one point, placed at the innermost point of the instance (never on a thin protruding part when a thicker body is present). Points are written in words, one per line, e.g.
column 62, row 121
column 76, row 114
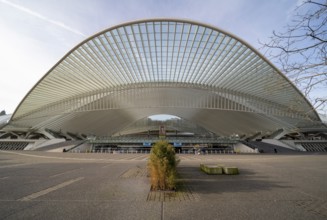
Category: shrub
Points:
column 162, row 166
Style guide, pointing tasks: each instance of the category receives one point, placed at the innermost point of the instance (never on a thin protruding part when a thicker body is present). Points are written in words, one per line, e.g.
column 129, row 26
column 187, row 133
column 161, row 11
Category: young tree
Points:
column 300, row 50
column 162, row 166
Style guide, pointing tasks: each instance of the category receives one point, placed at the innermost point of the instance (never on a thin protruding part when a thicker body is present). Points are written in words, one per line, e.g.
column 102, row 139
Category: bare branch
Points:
column 317, row 3
column 300, row 51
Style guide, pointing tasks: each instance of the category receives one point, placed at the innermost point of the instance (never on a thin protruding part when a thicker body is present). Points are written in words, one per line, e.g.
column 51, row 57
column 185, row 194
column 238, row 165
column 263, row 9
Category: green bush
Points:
column 162, row 166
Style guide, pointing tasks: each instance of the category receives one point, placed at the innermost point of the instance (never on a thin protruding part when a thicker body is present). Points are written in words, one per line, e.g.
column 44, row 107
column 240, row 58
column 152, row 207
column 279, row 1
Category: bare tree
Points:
column 300, row 50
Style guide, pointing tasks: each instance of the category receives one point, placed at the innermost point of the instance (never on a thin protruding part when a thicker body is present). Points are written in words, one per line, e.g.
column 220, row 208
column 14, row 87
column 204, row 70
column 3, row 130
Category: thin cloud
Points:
column 37, row 15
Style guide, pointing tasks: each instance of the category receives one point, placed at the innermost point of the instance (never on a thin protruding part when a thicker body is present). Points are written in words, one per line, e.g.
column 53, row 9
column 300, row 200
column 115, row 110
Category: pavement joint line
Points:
column 108, row 165
column 48, row 190
column 309, row 195
column 69, row 171
column 182, row 157
column 137, row 157
column 14, row 165
column 48, row 157
column 127, row 157
column 162, row 210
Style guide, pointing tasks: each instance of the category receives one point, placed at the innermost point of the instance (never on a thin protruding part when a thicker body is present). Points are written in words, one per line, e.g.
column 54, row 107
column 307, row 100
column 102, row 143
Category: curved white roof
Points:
column 180, row 67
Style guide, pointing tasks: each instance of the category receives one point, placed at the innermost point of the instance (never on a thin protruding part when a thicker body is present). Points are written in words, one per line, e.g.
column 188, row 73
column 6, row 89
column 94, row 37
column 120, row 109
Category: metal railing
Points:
column 142, row 151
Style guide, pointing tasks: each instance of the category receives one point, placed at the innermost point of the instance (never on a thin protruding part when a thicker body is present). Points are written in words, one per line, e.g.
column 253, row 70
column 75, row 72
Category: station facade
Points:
column 204, row 75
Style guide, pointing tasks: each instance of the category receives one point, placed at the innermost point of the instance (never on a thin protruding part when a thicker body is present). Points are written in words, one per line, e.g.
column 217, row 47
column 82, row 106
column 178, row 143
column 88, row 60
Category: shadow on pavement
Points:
column 246, row 181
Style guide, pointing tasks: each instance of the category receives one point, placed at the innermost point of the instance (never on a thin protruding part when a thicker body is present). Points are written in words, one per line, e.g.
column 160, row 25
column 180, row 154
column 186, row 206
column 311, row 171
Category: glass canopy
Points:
column 164, row 66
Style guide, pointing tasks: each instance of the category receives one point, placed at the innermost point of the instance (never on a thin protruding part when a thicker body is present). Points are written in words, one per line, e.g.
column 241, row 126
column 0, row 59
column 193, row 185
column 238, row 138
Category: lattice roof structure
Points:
column 164, row 66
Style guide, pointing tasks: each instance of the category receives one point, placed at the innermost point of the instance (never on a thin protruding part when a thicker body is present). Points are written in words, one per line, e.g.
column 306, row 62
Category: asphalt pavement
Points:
column 41, row 185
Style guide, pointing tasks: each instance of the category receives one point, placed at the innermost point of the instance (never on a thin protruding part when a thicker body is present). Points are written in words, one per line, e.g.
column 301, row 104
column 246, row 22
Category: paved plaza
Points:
column 40, row 185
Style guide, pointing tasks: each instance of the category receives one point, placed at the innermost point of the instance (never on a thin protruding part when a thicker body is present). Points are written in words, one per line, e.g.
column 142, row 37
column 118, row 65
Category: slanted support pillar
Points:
column 47, row 134
column 278, row 134
column 253, row 137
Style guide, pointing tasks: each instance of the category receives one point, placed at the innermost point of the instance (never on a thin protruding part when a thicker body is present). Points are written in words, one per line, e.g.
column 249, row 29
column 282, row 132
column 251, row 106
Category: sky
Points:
column 36, row 34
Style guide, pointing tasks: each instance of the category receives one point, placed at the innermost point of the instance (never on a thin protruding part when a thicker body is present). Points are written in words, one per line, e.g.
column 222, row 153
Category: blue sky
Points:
column 35, row 34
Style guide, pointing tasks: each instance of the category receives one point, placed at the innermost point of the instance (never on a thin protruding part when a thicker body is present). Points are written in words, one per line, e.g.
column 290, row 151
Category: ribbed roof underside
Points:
column 162, row 55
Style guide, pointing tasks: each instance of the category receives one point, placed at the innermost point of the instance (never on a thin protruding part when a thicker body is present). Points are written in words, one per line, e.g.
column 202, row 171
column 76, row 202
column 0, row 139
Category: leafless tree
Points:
column 300, row 50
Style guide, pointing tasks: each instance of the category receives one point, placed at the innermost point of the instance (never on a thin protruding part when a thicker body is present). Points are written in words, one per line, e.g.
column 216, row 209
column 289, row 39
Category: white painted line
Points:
column 3, row 178
column 46, row 191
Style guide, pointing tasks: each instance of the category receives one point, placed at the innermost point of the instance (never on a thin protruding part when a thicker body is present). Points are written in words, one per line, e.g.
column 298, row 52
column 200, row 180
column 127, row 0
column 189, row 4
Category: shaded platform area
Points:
column 41, row 185
column 13, row 145
column 315, row 147
column 266, row 147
